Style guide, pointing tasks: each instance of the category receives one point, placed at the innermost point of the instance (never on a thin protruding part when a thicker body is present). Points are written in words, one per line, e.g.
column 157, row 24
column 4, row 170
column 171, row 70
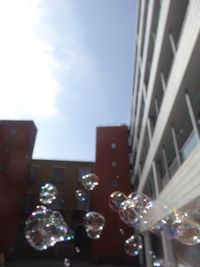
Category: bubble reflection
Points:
column 133, row 245
column 115, row 199
column 90, row 181
column 48, row 193
column 94, row 223
column 44, row 228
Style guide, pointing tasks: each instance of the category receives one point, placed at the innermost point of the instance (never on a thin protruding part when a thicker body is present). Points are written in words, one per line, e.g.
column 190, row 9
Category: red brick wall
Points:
column 16, row 145
column 112, row 178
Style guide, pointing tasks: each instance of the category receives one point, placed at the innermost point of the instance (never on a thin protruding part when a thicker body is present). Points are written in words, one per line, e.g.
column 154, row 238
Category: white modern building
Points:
column 165, row 115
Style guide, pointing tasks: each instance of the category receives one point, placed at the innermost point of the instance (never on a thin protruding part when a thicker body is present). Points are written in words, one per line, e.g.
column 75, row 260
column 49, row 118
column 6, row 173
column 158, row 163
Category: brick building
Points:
column 112, row 167
column 16, row 146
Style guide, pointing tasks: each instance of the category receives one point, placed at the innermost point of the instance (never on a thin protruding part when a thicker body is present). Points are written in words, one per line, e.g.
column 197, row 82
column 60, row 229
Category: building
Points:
column 66, row 176
column 16, row 146
column 112, row 167
column 165, row 115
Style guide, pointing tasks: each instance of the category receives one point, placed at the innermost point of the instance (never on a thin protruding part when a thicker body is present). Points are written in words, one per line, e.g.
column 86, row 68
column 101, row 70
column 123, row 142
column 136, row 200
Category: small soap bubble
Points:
column 66, row 262
column 115, row 199
column 70, row 235
column 133, row 245
column 121, row 231
column 81, row 196
column 44, row 228
column 142, row 202
column 77, row 250
column 48, row 193
column 94, row 223
column 158, row 262
column 185, row 230
column 128, row 214
column 90, row 181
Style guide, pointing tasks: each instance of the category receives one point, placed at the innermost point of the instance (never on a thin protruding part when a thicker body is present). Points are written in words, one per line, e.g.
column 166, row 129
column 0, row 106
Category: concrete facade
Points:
column 165, row 119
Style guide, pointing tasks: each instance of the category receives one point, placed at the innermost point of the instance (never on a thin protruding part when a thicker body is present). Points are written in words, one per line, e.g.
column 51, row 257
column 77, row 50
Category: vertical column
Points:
column 149, row 129
column 167, row 175
column 173, row 45
column 148, row 249
column 178, row 156
column 168, row 248
column 192, row 117
column 164, row 86
column 156, row 106
column 155, row 176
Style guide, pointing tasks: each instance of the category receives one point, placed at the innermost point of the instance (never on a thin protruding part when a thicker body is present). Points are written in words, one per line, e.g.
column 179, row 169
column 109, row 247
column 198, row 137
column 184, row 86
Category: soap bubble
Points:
column 158, row 262
column 70, row 235
column 40, row 207
column 185, row 230
column 44, row 228
column 90, row 181
column 133, row 245
column 94, row 234
column 48, row 193
column 115, row 199
column 81, row 195
column 66, row 262
column 94, row 224
column 77, row 250
column 142, row 202
column 121, row 231
column 128, row 214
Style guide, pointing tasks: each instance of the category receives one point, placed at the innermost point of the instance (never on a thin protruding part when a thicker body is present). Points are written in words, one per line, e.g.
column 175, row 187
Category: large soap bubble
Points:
column 81, row 196
column 94, row 223
column 185, row 230
column 133, row 245
column 48, row 193
column 128, row 214
column 142, row 202
column 44, row 228
column 90, row 181
column 115, row 199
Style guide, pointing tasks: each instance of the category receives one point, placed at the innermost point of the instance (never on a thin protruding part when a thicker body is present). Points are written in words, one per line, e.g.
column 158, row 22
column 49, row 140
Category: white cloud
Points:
column 27, row 65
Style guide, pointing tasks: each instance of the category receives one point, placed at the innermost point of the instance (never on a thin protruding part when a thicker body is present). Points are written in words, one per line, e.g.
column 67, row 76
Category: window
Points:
column 57, row 175
column 57, row 204
column 114, row 184
column 113, row 145
column 13, row 131
column 28, row 203
column 33, row 174
column 114, row 163
column 82, row 172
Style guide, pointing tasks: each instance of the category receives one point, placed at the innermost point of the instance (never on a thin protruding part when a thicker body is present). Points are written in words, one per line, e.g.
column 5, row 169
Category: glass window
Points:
column 33, row 174
column 113, row 145
column 114, row 184
column 57, row 203
column 114, row 163
column 83, row 171
column 28, row 203
column 57, row 175
column 188, row 146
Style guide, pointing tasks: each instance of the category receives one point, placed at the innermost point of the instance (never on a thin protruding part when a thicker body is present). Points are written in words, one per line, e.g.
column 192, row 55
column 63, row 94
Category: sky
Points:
column 68, row 66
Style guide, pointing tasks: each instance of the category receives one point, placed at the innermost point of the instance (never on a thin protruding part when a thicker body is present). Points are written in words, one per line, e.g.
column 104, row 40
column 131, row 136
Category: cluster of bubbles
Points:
column 45, row 227
column 133, row 210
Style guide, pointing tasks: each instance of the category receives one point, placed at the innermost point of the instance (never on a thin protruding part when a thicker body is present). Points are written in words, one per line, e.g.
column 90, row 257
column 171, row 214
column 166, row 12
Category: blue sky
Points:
column 67, row 65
